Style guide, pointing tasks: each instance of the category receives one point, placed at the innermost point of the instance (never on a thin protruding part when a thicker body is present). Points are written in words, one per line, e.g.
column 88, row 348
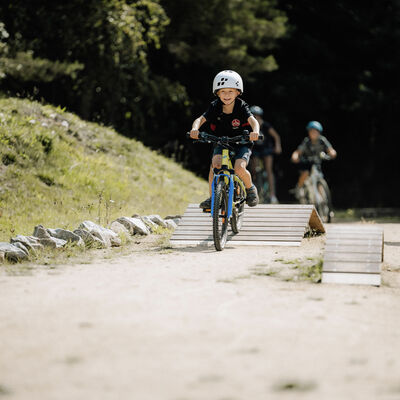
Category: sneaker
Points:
column 205, row 204
column 274, row 200
column 252, row 196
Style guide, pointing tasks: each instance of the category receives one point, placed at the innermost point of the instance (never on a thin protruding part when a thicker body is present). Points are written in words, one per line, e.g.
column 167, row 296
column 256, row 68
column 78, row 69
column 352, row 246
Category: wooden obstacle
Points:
column 265, row 224
column 353, row 254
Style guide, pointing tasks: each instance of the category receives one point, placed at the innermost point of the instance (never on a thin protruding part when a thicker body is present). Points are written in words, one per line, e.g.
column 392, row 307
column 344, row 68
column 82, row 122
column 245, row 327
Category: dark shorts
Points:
column 306, row 166
column 263, row 151
column 240, row 152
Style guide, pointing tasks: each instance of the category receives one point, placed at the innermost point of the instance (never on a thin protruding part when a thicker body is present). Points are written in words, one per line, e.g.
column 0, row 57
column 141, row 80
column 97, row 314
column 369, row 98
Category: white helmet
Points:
column 227, row 79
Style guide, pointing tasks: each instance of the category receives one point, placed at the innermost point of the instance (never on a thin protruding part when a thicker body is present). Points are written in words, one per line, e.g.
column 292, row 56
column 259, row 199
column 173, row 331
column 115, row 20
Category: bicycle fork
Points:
column 228, row 180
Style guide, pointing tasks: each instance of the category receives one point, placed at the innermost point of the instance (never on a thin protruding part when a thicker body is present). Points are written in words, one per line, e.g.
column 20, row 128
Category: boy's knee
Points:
column 217, row 165
column 240, row 169
column 216, row 161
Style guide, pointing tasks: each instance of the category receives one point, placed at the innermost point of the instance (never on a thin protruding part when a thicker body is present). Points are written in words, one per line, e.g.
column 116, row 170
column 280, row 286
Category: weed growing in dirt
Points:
column 299, row 269
column 294, row 386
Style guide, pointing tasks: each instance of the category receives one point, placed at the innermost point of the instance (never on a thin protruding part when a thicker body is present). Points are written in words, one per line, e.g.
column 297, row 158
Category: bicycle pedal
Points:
column 206, row 210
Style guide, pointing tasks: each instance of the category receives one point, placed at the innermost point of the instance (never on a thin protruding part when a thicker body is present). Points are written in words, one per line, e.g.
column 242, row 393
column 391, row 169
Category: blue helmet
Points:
column 314, row 125
column 256, row 110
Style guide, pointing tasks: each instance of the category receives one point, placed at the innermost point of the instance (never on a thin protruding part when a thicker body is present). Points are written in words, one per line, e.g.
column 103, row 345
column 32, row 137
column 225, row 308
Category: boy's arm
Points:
column 255, row 126
column 277, row 138
column 197, row 123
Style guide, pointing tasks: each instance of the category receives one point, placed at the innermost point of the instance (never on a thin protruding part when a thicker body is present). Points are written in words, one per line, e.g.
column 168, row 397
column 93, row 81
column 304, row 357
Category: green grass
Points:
column 58, row 170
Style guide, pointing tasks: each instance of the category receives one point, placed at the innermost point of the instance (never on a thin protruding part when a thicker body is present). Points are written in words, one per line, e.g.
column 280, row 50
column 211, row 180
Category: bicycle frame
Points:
column 315, row 175
column 227, row 172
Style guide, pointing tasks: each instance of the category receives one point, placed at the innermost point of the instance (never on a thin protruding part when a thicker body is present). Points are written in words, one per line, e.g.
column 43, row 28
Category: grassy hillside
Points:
column 57, row 170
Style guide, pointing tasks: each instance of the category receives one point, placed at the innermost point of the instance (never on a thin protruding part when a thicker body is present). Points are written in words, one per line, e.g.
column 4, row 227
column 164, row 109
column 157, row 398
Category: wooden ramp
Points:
column 265, row 224
column 353, row 254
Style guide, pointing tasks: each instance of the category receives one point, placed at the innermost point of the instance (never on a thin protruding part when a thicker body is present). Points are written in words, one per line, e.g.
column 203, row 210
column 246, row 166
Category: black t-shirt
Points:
column 309, row 149
column 228, row 124
column 269, row 141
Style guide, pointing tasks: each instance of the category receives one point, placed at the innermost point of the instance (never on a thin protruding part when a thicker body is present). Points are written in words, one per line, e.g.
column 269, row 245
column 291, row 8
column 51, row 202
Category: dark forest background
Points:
column 146, row 68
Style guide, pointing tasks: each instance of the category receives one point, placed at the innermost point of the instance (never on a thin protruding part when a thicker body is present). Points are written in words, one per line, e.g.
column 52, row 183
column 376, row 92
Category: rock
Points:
column 175, row 218
column 109, row 237
column 171, row 224
column 158, row 220
column 22, row 247
column 2, row 257
column 32, row 243
column 12, row 252
column 134, row 225
column 118, row 228
column 66, row 235
column 46, row 240
column 149, row 223
column 89, row 239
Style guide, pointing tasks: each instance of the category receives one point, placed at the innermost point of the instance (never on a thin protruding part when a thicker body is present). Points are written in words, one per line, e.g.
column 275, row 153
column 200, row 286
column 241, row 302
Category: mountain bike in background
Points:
column 316, row 190
column 260, row 179
column 228, row 194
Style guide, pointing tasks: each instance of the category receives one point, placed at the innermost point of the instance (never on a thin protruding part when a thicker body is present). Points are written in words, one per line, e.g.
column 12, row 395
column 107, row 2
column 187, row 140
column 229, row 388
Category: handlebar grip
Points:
column 188, row 134
column 260, row 136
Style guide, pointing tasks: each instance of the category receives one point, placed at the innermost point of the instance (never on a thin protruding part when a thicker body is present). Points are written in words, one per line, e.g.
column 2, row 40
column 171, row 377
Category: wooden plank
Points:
column 240, row 236
column 238, row 243
column 208, row 222
column 358, row 257
column 303, row 220
column 245, row 228
column 353, row 248
column 354, row 239
column 267, row 206
column 305, row 216
column 351, row 278
column 351, row 266
column 257, row 211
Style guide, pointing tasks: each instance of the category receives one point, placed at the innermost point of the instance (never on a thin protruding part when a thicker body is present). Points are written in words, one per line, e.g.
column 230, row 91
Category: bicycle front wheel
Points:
column 324, row 203
column 220, row 211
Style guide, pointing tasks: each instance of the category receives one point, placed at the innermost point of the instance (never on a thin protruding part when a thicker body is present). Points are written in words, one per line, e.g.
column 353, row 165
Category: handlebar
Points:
column 205, row 137
column 316, row 159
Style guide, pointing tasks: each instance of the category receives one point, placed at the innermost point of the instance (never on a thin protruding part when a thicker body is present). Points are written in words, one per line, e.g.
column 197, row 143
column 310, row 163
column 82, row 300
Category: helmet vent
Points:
column 222, row 82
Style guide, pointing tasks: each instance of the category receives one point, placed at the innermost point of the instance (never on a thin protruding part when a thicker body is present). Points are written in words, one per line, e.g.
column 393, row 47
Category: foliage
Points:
column 224, row 34
column 146, row 67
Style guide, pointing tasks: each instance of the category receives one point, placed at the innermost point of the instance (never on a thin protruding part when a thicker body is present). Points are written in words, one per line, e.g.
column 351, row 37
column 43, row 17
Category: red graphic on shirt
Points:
column 235, row 122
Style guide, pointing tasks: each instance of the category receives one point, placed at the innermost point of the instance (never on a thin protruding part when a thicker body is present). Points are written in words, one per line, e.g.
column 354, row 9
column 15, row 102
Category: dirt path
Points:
column 195, row 324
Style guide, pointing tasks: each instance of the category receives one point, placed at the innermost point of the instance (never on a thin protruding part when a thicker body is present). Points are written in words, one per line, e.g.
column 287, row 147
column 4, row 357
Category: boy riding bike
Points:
column 310, row 152
column 265, row 150
column 229, row 116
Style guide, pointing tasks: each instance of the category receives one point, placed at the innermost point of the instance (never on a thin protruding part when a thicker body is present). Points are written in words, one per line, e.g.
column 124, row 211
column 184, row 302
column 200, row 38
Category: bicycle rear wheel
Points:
column 238, row 209
column 324, row 203
column 220, row 211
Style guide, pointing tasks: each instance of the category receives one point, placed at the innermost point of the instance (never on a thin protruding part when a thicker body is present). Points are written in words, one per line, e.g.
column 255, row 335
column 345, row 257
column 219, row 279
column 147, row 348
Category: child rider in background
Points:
column 266, row 149
column 309, row 153
column 229, row 115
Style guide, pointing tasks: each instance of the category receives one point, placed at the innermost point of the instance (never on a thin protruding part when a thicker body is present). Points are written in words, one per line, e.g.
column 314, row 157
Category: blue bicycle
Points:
column 228, row 194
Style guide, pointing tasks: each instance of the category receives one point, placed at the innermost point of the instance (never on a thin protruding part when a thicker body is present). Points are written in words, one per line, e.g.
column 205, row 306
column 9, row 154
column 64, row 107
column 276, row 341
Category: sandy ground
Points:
column 193, row 324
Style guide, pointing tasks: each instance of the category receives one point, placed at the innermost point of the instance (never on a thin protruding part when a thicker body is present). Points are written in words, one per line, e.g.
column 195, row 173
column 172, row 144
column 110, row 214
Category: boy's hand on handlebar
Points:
column 194, row 133
column 253, row 136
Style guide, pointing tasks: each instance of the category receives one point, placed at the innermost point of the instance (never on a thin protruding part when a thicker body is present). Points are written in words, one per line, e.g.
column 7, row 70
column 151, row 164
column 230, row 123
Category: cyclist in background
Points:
column 309, row 153
column 266, row 149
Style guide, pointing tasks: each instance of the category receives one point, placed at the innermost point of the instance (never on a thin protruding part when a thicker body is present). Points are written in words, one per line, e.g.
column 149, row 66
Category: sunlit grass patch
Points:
column 57, row 170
